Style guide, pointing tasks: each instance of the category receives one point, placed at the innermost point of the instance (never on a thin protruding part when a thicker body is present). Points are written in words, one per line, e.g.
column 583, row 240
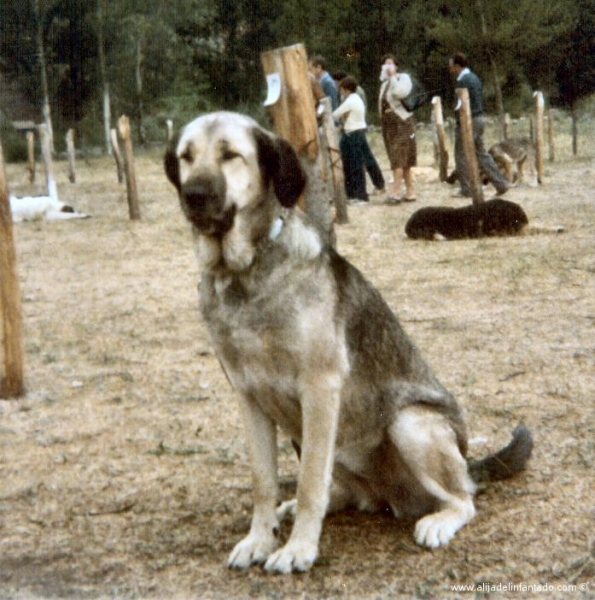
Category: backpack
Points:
column 417, row 96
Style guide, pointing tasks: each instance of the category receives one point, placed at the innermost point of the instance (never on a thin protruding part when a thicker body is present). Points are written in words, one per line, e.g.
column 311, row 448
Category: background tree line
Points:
column 91, row 59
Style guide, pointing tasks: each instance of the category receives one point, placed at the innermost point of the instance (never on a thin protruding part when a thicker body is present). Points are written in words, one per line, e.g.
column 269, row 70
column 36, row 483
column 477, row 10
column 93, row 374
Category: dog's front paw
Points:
column 252, row 550
column 438, row 529
column 294, row 556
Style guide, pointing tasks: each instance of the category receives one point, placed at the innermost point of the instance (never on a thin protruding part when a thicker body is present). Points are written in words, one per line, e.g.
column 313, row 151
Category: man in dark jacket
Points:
column 465, row 78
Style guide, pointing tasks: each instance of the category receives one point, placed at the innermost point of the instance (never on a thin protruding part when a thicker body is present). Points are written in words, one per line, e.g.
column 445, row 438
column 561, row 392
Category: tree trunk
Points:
column 139, row 91
column 46, row 110
column 107, row 116
column 492, row 63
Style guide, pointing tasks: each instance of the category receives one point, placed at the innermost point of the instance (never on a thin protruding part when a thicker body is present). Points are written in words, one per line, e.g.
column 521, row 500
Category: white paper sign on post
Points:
column 274, row 89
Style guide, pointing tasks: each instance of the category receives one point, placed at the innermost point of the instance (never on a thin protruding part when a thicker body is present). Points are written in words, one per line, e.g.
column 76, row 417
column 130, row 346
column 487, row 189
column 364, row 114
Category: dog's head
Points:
column 224, row 164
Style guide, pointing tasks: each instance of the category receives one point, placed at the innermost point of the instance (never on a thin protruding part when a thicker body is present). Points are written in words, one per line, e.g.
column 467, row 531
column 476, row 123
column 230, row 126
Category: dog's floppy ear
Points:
column 170, row 162
column 279, row 163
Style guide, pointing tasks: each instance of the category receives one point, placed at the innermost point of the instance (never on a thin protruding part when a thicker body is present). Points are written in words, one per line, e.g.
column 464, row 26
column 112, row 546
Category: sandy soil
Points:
column 123, row 472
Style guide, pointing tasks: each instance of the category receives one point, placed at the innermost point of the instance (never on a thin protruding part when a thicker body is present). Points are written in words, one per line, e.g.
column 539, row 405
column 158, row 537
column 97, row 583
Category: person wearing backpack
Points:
column 398, row 129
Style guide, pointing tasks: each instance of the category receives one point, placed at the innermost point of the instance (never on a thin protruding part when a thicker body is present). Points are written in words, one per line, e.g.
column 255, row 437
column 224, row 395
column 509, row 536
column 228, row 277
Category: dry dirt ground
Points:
column 123, row 472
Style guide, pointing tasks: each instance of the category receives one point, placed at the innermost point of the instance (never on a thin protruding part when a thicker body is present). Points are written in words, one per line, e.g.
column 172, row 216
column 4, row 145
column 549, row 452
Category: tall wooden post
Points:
column 466, row 123
column 71, row 156
column 506, row 130
column 438, row 119
column 294, row 113
column 336, row 162
column 11, row 328
column 117, row 155
column 46, row 152
column 31, row 155
column 539, row 141
column 131, row 188
column 551, row 119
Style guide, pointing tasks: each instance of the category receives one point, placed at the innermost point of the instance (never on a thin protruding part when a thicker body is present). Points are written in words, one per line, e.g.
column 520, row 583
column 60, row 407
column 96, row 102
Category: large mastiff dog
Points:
column 311, row 347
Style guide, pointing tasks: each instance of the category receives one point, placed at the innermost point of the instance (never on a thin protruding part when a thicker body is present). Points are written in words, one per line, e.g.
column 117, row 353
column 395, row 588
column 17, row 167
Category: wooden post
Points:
column 551, row 118
column 170, row 130
column 438, row 118
column 31, row 155
column 574, row 116
column 506, row 131
column 71, row 156
column 336, row 162
column 539, row 141
column 46, row 152
column 131, row 189
column 466, row 124
column 11, row 328
column 294, row 113
column 117, row 155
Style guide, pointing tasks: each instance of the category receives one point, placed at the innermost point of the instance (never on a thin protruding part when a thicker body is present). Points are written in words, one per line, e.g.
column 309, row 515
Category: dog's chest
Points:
column 267, row 333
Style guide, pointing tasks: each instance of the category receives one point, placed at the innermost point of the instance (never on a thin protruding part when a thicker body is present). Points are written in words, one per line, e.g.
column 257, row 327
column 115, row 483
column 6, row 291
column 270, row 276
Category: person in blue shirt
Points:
column 328, row 84
column 465, row 78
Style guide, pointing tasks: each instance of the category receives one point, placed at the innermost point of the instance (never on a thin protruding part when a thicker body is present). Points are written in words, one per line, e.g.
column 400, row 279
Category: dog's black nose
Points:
column 203, row 202
column 203, row 193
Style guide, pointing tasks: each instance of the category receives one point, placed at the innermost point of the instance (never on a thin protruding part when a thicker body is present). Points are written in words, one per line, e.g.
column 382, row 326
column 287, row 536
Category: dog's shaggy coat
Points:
column 312, row 347
column 493, row 217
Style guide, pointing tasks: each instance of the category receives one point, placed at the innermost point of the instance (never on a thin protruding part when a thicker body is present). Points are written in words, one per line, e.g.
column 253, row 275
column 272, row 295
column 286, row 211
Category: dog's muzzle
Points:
column 203, row 203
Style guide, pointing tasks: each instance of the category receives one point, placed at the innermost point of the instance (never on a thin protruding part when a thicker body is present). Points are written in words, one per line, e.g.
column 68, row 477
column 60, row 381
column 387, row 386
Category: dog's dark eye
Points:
column 229, row 155
column 186, row 156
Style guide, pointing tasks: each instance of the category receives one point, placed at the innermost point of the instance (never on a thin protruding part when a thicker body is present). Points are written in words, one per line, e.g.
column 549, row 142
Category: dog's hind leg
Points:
column 427, row 445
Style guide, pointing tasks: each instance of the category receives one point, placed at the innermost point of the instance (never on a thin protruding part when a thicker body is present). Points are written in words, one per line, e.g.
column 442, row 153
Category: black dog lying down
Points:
column 493, row 217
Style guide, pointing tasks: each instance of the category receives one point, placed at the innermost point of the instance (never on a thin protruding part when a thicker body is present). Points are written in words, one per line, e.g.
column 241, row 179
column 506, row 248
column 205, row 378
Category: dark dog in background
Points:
column 493, row 217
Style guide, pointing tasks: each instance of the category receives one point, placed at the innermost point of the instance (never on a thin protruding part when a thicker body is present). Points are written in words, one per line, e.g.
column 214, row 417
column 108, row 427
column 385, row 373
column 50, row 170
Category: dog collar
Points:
column 276, row 229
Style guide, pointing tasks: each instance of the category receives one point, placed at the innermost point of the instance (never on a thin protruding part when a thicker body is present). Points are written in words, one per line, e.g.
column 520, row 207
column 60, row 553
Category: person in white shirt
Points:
column 355, row 150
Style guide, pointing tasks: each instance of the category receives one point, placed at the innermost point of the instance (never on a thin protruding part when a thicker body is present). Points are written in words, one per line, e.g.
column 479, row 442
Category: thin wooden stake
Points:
column 12, row 383
column 131, row 188
column 31, row 155
column 466, row 124
column 117, row 155
column 336, row 163
column 551, row 119
column 438, row 119
column 46, row 151
column 539, row 138
column 71, row 156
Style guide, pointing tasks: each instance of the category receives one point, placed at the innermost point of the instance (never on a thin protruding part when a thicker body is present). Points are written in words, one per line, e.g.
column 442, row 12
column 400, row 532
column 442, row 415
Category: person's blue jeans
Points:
column 357, row 156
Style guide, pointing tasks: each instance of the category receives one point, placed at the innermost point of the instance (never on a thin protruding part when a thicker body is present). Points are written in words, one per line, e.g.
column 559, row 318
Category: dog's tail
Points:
column 507, row 462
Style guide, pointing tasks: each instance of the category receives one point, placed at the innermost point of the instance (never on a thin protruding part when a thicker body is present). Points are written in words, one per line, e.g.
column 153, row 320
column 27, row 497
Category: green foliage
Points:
column 177, row 59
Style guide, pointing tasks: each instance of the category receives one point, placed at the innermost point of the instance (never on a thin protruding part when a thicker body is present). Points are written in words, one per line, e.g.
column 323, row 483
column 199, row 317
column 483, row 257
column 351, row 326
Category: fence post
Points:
column 442, row 151
column 293, row 111
column 551, row 118
column 31, row 155
column 466, row 124
column 539, row 108
column 71, row 156
column 131, row 189
column 117, row 155
column 46, row 152
column 11, row 328
column 336, row 162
